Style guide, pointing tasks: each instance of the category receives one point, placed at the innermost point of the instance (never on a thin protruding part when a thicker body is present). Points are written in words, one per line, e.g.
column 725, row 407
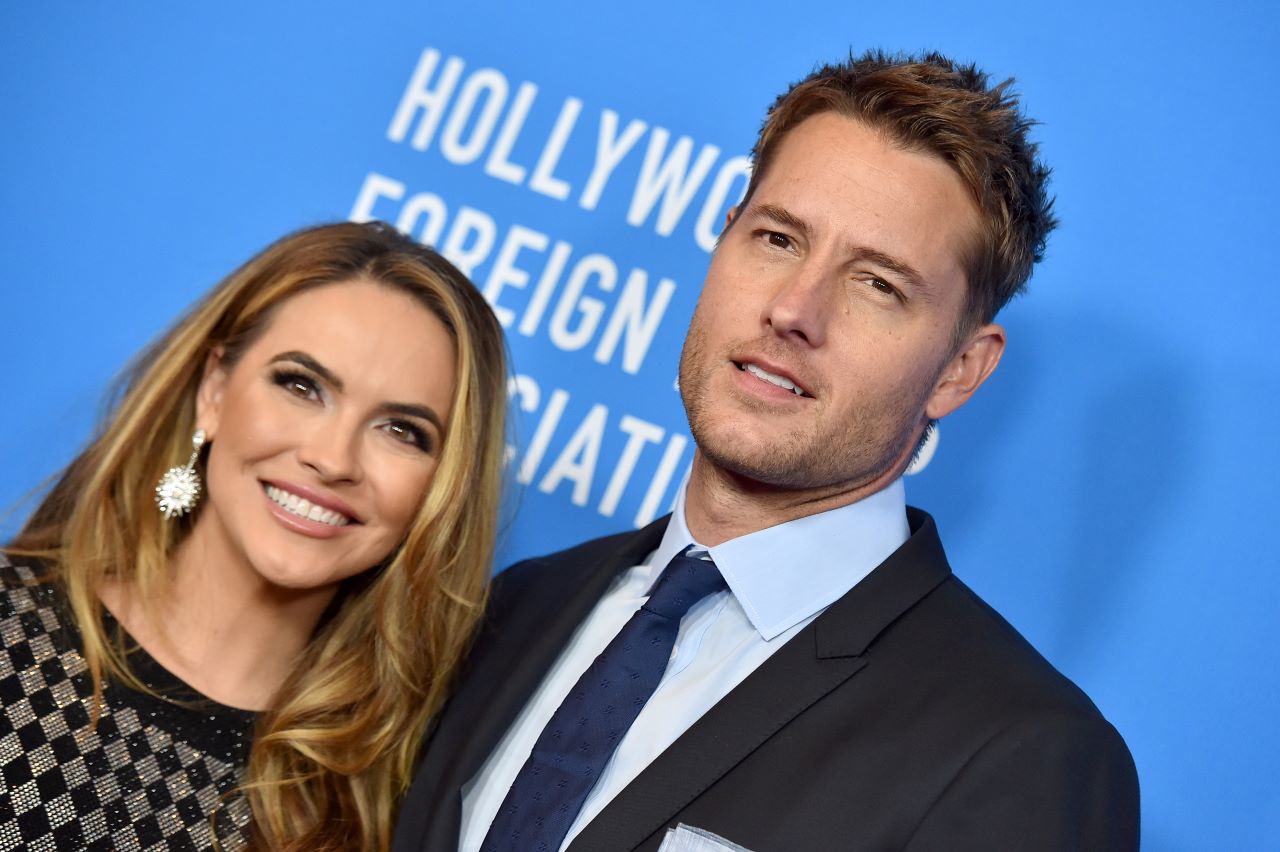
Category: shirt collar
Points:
column 786, row 573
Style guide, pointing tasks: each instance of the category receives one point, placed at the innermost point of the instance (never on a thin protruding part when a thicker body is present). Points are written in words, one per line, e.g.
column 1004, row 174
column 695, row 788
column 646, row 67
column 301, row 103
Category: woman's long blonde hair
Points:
column 336, row 751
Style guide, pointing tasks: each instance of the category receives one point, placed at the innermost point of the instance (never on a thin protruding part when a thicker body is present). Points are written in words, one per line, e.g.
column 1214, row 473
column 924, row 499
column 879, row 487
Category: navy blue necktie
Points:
column 583, row 733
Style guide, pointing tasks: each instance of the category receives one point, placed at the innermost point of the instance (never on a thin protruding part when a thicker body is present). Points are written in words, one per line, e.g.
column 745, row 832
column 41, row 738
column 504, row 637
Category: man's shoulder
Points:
column 950, row 635
column 966, row 687
column 629, row 546
column 995, row 714
column 972, row 676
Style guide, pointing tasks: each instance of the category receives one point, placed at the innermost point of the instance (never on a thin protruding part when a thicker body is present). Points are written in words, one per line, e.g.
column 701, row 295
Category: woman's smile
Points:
column 325, row 434
column 309, row 517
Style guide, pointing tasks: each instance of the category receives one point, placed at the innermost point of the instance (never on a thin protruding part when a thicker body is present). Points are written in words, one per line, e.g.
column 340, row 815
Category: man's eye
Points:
column 883, row 286
column 777, row 239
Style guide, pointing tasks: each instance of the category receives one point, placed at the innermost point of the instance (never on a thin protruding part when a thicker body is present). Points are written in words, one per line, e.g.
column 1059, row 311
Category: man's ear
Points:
column 728, row 218
column 966, row 371
column 209, row 395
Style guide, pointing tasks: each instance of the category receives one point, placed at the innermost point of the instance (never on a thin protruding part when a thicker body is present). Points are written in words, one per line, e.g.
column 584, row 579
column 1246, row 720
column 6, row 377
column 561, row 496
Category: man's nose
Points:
column 800, row 307
column 332, row 449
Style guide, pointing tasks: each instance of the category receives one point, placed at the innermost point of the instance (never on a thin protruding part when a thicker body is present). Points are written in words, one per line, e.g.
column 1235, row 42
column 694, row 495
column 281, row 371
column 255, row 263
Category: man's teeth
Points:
column 773, row 380
column 306, row 509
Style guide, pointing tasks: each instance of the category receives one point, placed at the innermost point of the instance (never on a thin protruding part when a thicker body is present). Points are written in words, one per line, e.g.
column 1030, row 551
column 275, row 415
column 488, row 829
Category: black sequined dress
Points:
column 149, row 776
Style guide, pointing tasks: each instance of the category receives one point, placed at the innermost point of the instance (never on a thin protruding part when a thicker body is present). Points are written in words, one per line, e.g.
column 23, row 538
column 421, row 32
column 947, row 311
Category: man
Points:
column 824, row 681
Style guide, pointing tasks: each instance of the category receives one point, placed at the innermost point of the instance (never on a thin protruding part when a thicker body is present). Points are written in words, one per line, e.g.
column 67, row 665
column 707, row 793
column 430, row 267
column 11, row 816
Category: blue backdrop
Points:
column 1109, row 489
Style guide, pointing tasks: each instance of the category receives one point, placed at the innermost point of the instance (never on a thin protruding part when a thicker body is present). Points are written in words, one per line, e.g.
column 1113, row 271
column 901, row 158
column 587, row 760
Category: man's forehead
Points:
column 852, row 182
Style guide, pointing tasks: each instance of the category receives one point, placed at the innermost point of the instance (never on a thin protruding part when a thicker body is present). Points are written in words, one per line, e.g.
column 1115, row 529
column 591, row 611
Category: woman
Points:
column 257, row 665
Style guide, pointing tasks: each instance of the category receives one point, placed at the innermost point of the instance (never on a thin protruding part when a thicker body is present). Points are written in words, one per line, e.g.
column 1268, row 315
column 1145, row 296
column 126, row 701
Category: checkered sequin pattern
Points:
column 130, row 782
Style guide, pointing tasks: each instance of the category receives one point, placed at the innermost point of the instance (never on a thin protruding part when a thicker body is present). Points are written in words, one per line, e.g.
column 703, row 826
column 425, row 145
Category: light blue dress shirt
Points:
column 779, row 579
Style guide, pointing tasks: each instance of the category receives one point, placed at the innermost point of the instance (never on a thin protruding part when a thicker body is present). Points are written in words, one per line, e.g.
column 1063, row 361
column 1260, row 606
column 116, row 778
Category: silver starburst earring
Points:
column 179, row 488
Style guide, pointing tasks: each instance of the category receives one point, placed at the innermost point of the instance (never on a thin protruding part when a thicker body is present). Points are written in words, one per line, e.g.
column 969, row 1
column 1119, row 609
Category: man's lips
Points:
column 773, row 375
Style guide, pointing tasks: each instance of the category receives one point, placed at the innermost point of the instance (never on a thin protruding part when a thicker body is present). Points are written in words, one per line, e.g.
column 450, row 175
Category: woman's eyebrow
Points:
column 304, row 360
column 422, row 412
column 405, row 409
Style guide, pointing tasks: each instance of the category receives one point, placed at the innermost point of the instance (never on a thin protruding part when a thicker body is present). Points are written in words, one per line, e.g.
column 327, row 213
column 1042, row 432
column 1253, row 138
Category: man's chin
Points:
column 791, row 463
column 764, row 470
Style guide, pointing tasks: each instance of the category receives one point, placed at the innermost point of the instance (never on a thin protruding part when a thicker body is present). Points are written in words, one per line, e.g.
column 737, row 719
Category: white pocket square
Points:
column 686, row 838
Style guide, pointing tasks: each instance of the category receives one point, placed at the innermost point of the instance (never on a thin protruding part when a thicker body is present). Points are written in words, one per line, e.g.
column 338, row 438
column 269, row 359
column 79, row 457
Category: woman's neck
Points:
column 219, row 627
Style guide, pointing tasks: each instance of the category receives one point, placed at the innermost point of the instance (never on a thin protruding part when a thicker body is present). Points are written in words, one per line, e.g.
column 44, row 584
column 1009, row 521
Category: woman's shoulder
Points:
column 25, row 585
column 90, row 775
column 34, row 618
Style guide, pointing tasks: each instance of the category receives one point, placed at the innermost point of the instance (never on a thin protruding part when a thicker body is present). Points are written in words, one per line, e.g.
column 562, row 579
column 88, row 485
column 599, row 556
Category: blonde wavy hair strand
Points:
column 338, row 748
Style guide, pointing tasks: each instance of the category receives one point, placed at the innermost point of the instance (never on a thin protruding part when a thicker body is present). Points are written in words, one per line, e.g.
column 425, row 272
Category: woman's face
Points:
column 324, row 435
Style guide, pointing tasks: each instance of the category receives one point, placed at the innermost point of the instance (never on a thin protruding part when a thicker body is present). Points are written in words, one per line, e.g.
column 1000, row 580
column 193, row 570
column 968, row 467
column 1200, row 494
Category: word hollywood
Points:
column 466, row 111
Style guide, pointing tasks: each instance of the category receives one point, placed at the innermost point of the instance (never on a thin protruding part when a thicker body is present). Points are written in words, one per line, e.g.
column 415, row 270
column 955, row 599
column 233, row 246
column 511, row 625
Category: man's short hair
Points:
column 934, row 105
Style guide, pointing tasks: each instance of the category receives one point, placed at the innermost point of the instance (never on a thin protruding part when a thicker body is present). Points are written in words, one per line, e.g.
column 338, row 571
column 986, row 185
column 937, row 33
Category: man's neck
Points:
column 721, row 505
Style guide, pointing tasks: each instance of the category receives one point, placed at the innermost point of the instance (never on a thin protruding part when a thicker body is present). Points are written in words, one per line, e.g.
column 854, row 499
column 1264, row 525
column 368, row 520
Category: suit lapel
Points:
column 504, row 669
column 543, row 621
column 789, row 682
column 817, row 660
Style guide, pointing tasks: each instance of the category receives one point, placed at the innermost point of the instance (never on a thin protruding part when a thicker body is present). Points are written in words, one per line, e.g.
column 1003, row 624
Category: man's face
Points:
column 822, row 341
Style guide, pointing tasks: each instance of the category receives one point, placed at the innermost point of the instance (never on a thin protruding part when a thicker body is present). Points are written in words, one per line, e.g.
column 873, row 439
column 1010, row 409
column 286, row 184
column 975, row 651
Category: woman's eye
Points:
column 299, row 385
column 408, row 433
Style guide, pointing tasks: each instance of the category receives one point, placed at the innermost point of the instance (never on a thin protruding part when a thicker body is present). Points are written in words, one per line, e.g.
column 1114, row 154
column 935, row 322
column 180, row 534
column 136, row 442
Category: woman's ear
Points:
column 209, row 394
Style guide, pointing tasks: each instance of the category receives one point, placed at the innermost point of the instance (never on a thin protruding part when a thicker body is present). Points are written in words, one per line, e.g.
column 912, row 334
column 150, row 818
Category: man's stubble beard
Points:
column 802, row 459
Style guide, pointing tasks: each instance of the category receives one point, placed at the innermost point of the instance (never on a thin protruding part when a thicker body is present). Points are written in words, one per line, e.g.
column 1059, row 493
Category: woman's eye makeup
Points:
column 410, row 433
column 305, row 386
column 297, row 383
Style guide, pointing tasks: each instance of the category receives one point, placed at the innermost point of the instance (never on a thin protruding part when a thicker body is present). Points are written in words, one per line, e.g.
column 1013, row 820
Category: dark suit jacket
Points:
column 909, row 715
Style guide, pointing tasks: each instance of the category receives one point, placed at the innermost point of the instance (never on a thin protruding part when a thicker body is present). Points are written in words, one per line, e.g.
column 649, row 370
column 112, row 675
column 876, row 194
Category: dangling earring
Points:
column 179, row 488
column 924, row 453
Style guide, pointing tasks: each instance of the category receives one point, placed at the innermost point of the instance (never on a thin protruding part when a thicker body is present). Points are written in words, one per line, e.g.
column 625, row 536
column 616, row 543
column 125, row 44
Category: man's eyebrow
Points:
column 782, row 216
column 304, row 360
column 856, row 253
column 901, row 268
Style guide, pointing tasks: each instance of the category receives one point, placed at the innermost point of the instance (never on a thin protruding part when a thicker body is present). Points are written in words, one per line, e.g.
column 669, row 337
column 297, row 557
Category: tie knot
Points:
column 685, row 581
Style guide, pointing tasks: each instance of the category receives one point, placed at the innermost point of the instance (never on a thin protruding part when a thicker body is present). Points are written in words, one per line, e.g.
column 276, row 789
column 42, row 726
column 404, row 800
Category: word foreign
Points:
column 477, row 116
column 588, row 298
